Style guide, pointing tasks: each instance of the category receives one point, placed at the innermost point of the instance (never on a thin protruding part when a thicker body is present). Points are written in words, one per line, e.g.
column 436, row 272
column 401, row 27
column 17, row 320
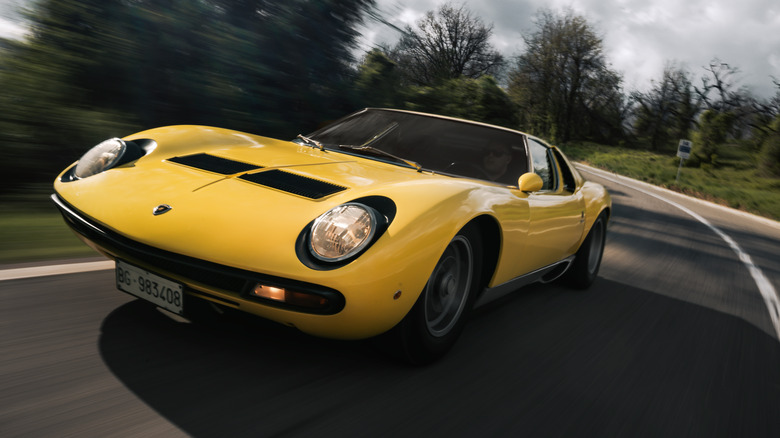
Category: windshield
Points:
column 440, row 145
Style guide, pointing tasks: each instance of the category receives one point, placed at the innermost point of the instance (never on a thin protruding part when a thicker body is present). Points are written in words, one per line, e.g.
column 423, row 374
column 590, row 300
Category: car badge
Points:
column 161, row 209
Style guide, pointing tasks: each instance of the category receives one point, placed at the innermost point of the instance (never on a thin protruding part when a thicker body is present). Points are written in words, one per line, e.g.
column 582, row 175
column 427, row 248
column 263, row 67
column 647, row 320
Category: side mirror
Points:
column 530, row 182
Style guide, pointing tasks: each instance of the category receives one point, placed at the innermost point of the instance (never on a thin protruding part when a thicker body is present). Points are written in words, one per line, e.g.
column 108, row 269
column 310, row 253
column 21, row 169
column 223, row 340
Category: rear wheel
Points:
column 437, row 318
column 587, row 261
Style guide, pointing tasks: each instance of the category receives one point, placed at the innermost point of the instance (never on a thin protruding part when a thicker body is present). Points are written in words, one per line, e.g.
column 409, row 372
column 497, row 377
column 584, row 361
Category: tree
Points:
column 92, row 69
column 474, row 99
column 379, row 82
column 50, row 82
column 562, row 83
column 770, row 151
column 714, row 127
column 770, row 146
column 273, row 67
column 307, row 72
column 720, row 78
column 447, row 44
column 666, row 113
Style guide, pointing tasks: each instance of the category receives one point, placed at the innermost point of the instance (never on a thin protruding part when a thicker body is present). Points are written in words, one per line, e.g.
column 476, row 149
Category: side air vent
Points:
column 292, row 183
column 214, row 164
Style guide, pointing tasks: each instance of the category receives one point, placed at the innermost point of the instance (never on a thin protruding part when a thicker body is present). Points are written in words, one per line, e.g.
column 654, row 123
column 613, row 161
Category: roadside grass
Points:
column 32, row 229
column 733, row 182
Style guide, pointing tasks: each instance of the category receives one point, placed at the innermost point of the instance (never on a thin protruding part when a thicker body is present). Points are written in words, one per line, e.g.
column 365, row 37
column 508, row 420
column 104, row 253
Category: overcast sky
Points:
column 9, row 25
column 640, row 36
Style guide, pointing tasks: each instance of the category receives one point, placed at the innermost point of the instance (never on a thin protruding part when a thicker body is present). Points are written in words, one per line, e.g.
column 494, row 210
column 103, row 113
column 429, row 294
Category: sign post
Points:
column 684, row 152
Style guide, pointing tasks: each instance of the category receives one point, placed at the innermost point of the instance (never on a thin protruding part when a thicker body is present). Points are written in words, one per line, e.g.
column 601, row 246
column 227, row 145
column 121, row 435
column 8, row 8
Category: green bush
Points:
column 770, row 156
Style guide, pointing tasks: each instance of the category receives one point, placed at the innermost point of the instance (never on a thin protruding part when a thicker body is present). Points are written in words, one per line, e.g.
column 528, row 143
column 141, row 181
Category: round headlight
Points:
column 100, row 158
column 342, row 232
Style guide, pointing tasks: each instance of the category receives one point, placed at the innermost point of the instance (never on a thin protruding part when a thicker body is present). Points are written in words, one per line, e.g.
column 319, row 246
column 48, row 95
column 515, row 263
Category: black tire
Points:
column 587, row 261
column 436, row 321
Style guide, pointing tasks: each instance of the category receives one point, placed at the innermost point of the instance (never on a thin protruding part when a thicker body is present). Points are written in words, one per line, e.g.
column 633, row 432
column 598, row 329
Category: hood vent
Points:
column 211, row 163
column 295, row 184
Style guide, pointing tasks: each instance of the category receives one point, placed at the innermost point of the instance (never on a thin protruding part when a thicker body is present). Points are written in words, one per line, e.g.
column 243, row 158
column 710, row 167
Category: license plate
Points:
column 151, row 287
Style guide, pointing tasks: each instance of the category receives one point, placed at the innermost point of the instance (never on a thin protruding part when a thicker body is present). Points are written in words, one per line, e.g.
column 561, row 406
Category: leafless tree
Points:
column 447, row 44
column 720, row 78
column 668, row 110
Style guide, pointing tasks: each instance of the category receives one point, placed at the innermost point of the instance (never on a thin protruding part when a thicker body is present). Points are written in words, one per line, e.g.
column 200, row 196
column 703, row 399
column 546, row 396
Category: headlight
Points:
column 100, row 158
column 342, row 232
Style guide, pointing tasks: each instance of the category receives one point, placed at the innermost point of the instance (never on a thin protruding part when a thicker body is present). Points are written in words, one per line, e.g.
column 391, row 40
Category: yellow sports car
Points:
column 383, row 221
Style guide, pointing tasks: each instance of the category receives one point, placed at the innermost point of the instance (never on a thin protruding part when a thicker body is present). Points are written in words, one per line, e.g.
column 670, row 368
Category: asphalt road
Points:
column 674, row 339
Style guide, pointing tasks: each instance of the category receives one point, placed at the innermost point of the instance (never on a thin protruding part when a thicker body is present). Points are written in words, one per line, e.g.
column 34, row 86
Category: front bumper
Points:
column 226, row 285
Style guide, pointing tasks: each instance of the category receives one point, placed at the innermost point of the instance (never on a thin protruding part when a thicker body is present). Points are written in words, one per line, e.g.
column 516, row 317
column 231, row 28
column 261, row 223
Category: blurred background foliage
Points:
column 76, row 72
column 92, row 69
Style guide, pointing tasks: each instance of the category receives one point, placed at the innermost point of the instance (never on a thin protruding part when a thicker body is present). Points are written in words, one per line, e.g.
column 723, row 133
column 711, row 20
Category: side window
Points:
column 569, row 183
column 540, row 157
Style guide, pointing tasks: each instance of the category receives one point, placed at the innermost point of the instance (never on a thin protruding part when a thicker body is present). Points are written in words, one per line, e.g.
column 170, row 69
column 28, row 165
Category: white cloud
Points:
column 409, row 16
column 11, row 29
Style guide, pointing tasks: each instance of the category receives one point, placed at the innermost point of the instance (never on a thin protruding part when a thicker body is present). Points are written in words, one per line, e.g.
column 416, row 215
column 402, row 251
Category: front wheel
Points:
column 437, row 318
column 587, row 261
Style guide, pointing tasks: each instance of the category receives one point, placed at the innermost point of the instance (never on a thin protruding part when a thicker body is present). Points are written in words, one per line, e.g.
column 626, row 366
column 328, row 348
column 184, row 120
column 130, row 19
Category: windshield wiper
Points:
column 311, row 142
column 366, row 148
column 382, row 153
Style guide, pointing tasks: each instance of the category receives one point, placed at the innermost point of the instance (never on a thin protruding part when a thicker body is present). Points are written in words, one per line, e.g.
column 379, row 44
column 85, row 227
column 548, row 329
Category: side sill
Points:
column 543, row 275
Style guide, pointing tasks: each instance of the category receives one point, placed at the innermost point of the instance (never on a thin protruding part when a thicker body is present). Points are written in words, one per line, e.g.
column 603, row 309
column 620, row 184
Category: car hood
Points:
column 242, row 155
column 227, row 216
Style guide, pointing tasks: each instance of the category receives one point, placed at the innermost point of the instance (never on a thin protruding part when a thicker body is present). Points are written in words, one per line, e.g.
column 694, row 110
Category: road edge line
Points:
column 44, row 271
column 765, row 287
column 601, row 172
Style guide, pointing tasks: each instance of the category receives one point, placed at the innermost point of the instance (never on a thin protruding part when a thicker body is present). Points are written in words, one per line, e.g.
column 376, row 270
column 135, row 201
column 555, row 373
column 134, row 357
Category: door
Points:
column 556, row 212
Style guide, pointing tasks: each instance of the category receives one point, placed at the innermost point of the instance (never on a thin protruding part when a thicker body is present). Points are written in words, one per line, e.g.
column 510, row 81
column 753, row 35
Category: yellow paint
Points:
column 240, row 224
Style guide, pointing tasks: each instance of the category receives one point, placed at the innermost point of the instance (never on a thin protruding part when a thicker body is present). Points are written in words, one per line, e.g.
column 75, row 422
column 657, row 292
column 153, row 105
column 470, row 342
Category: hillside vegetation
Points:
column 735, row 181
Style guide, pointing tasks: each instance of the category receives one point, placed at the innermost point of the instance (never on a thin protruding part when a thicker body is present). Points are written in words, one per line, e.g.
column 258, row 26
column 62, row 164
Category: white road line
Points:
column 636, row 183
column 766, row 289
column 42, row 271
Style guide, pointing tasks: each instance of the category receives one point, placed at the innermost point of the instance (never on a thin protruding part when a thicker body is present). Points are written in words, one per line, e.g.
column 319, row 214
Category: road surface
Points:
column 675, row 338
